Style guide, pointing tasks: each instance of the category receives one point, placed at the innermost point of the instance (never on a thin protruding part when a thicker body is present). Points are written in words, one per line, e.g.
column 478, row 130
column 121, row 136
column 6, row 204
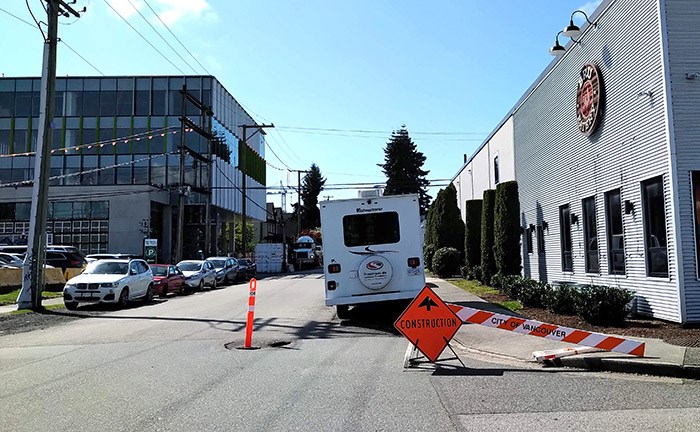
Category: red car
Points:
column 167, row 278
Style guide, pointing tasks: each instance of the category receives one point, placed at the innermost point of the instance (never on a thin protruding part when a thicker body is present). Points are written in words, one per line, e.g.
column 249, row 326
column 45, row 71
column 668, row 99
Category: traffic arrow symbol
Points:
column 427, row 303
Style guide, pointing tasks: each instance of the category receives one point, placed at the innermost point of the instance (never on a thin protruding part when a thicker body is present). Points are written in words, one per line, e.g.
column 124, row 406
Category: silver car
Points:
column 198, row 274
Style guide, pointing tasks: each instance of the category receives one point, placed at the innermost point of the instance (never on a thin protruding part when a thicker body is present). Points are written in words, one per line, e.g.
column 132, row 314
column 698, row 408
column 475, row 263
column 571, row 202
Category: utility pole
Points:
column 33, row 266
column 242, row 168
column 299, row 199
column 179, row 244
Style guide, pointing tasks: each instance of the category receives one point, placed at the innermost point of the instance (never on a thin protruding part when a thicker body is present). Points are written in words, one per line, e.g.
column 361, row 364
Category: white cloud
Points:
column 171, row 11
column 590, row 6
column 124, row 8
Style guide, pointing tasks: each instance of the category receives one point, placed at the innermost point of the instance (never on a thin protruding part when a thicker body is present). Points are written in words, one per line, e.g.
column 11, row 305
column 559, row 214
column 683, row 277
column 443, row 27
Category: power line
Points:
column 161, row 36
column 365, row 131
column 176, row 38
column 144, row 38
column 81, row 57
column 245, row 197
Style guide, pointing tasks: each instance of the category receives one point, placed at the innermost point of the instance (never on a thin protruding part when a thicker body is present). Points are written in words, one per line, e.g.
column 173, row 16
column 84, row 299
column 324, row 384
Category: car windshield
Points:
column 189, row 266
column 303, row 245
column 218, row 263
column 159, row 271
column 101, row 267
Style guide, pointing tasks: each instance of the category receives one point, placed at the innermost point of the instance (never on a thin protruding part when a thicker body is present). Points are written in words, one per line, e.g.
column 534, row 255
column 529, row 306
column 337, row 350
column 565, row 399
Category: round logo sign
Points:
column 375, row 272
column 589, row 98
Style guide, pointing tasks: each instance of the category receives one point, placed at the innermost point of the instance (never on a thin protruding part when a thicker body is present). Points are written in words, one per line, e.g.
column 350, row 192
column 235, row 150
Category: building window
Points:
column 567, row 262
column 616, row 241
column 496, row 174
column 696, row 202
column 528, row 240
column 655, row 227
column 590, row 235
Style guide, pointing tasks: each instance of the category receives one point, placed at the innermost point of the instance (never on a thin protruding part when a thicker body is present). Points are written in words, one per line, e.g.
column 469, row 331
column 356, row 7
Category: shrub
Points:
column 472, row 233
column 507, row 228
column 531, row 292
column 446, row 262
column 464, row 271
column 561, row 299
column 474, row 272
column 488, row 263
column 508, row 284
column 428, row 252
column 600, row 304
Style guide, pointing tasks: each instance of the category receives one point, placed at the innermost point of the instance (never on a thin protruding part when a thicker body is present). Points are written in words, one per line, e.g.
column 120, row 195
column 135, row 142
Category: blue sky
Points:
column 335, row 77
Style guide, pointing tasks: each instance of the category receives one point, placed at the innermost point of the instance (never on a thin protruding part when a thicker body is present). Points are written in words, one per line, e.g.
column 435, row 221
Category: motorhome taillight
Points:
column 413, row 262
column 334, row 268
column 331, row 285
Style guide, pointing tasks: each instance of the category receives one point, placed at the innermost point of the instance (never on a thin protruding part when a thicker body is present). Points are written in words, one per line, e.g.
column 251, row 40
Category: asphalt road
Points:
column 175, row 366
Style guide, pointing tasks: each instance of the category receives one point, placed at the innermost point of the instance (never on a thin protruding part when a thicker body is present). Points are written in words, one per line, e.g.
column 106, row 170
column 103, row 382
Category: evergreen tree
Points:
column 403, row 168
column 472, row 234
column 311, row 188
column 488, row 261
column 507, row 229
column 450, row 228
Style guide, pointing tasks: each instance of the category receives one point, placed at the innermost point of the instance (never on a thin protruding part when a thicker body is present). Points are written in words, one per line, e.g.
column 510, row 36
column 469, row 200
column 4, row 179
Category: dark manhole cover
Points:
column 266, row 344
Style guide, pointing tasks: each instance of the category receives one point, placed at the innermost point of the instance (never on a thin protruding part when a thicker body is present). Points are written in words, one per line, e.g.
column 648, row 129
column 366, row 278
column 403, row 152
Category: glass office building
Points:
column 115, row 164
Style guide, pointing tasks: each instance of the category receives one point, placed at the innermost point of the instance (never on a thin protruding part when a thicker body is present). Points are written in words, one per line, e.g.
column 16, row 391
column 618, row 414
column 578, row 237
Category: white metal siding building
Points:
column 618, row 207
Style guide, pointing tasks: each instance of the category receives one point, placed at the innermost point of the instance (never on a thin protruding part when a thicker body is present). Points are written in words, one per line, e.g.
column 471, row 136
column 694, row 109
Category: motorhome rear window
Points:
column 371, row 229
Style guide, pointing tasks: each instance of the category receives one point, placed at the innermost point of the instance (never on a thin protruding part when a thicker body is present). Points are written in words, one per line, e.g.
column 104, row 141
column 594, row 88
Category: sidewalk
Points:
column 45, row 302
column 661, row 358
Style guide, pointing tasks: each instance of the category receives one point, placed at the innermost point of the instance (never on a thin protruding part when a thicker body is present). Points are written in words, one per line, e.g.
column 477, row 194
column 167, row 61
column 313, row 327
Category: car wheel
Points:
column 201, row 285
column 343, row 311
column 150, row 294
column 164, row 292
column 124, row 298
column 213, row 284
column 71, row 305
column 184, row 289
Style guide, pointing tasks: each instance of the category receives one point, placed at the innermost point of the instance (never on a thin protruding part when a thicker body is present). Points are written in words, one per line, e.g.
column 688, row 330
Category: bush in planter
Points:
column 561, row 299
column 508, row 285
column 446, row 262
column 599, row 304
column 428, row 252
column 531, row 292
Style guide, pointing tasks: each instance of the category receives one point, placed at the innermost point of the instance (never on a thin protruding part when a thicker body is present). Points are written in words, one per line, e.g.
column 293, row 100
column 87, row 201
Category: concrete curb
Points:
column 641, row 366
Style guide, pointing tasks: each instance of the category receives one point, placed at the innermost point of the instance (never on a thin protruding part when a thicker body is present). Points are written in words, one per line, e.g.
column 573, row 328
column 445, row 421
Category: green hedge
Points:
column 446, row 262
column 472, row 234
column 600, row 304
column 428, row 252
column 506, row 230
column 488, row 263
column 561, row 299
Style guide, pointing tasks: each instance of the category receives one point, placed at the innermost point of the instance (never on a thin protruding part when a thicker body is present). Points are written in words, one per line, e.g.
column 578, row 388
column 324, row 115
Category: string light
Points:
column 28, row 182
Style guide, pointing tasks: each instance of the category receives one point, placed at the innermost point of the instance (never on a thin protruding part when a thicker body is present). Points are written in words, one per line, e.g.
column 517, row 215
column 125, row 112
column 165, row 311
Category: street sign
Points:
column 428, row 323
column 150, row 250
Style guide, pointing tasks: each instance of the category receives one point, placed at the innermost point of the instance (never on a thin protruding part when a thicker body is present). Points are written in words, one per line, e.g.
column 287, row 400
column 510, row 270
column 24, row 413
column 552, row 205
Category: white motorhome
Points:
column 372, row 250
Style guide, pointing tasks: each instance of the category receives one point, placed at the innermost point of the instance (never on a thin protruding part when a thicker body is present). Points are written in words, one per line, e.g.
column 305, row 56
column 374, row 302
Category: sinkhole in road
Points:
column 266, row 344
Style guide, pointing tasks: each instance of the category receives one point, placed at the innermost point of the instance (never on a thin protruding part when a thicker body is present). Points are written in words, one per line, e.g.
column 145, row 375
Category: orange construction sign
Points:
column 428, row 323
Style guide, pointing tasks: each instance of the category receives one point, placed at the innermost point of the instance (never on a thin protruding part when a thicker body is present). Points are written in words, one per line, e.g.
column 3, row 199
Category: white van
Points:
column 372, row 250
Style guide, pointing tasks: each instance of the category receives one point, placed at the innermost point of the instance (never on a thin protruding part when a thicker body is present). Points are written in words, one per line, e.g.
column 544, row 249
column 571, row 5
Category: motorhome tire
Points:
column 343, row 311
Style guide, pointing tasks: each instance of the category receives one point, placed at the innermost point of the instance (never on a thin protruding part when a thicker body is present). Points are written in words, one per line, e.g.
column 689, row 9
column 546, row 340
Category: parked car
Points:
column 62, row 257
column 10, row 260
column 226, row 269
column 167, row 278
column 110, row 281
column 247, row 268
column 198, row 274
column 99, row 256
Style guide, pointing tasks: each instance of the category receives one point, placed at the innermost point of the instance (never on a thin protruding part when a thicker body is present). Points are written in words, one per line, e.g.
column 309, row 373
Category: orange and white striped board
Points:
column 549, row 331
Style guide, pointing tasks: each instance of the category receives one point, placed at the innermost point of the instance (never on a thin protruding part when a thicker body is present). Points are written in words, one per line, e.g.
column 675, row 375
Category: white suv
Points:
column 110, row 281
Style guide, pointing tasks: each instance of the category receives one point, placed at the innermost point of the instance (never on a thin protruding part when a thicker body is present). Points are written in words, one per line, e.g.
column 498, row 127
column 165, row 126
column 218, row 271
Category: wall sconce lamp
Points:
column 647, row 93
column 532, row 227
column 545, row 225
column 692, row 75
column 571, row 31
column 574, row 218
column 629, row 206
column 557, row 50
